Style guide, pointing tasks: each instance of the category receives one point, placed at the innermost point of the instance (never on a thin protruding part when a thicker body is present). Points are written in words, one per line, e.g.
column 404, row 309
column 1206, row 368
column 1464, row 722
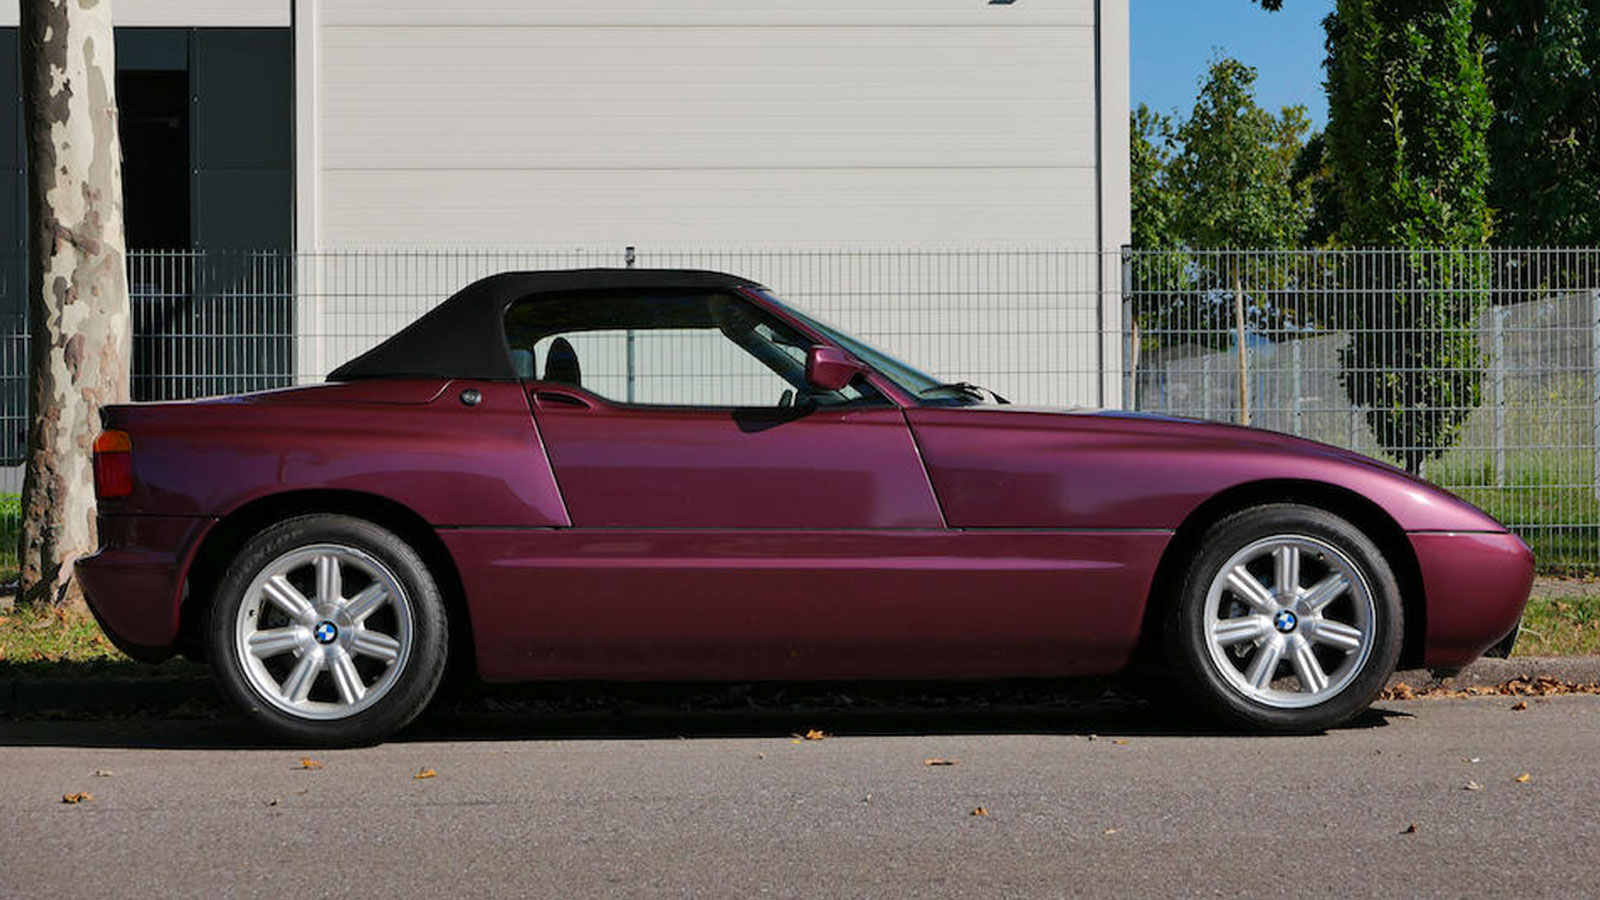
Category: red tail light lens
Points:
column 113, row 464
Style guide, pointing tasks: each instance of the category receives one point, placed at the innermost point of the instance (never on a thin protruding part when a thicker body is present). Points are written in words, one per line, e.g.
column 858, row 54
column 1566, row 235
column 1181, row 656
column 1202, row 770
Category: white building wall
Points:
column 710, row 124
column 488, row 122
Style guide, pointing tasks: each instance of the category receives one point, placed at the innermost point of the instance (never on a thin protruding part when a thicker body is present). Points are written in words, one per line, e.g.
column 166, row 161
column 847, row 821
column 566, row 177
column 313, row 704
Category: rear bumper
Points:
column 1476, row 585
column 134, row 584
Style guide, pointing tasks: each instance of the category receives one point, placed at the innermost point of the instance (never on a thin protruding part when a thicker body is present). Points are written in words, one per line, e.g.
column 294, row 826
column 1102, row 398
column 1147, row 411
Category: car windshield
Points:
column 910, row 379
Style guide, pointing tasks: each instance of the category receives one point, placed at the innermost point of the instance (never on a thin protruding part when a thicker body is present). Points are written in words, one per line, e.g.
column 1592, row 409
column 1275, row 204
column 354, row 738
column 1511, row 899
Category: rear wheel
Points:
column 1289, row 619
column 329, row 630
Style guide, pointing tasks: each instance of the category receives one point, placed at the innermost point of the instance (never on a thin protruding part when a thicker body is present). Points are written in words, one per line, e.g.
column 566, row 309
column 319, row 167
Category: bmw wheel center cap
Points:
column 1285, row 621
column 326, row 632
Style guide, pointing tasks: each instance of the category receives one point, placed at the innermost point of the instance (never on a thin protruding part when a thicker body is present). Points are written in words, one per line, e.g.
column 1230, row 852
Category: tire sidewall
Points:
column 424, row 664
column 1187, row 628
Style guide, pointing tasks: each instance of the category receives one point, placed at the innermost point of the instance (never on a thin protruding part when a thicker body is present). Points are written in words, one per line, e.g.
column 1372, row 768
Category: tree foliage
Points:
column 1154, row 202
column 1409, row 113
column 1231, row 171
column 1220, row 178
column 1542, row 59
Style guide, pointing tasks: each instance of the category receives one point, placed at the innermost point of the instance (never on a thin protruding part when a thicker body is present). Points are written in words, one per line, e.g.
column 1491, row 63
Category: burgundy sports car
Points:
column 637, row 475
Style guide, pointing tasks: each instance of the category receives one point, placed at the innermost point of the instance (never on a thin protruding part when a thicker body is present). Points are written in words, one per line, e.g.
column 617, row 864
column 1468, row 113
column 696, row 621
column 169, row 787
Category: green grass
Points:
column 10, row 530
column 1547, row 497
column 55, row 643
column 1563, row 619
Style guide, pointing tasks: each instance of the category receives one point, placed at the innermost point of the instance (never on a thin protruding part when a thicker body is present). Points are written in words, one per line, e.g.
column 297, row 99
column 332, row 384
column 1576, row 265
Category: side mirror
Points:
column 830, row 369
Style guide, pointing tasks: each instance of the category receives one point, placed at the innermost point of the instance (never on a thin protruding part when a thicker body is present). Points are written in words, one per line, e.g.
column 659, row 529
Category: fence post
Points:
column 1130, row 347
column 1297, row 387
column 1497, row 381
column 628, row 257
column 1594, row 385
column 1244, row 360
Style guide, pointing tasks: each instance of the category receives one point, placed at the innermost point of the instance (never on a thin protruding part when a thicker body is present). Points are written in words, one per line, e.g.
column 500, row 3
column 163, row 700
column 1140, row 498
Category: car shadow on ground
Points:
column 1110, row 708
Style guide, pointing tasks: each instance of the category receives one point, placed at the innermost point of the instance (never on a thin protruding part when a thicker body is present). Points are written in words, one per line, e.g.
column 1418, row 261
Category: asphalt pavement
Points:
column 1443, row 798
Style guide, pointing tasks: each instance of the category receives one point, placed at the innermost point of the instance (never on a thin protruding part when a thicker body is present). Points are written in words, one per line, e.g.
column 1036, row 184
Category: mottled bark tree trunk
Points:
column 77, row 284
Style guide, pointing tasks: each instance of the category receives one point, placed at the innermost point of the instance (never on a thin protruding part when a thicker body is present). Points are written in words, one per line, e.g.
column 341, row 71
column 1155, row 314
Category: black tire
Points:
column 400, row 688
column 1233, row 696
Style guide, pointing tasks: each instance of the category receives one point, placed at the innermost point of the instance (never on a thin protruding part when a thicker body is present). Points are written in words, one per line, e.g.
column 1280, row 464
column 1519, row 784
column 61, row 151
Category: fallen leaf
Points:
column 938, row 761
column 307, row 762
column 815, row 735
column 1472, row 786
column 1410, row 829
column 1401, row 691
column 103, row 773
column 73, row 799
column 4, row 619
column 1120, row 741
column 273, row 802
column 1524, row 778
column 981, row 811
column 1519, row 706
column 426, row 773
column 1472, row 760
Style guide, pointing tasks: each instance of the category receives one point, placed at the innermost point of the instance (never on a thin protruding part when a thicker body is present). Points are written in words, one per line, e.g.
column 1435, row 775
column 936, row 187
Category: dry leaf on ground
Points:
column 103, row 773
column 1111, row 831
column 1519, row 706
column 307, row 762
column 76, row 797
column 1410, row 829
column 1521, row 686
column 981, row 811
column 1472, row 786
column 1524, row 778
column 426, row 773
column 939, row 761
column 815, row 735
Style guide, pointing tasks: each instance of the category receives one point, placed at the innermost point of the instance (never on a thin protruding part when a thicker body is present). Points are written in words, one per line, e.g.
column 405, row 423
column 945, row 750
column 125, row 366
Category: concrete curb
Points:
column 76, row 696
column 1490, row 672
column 87, row 695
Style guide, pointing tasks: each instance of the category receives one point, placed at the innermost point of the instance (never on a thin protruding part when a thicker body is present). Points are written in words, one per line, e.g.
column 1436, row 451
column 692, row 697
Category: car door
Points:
column 727, row 520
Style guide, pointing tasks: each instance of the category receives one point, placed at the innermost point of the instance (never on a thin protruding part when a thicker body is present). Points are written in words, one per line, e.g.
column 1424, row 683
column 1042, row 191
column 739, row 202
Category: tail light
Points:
column 113, row 464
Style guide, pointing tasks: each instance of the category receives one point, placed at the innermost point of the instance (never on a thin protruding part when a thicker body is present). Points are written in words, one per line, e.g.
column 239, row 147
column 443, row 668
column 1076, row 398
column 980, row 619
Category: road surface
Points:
column 1421, row 799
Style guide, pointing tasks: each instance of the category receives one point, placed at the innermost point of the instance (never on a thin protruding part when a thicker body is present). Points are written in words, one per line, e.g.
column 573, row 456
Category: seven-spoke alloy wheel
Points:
column 328, row 629
column 1289, row 619
column 329, row 652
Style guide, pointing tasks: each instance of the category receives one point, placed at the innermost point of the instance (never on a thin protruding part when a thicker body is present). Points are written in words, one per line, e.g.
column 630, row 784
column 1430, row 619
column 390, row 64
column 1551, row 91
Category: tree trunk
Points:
column 77, row 283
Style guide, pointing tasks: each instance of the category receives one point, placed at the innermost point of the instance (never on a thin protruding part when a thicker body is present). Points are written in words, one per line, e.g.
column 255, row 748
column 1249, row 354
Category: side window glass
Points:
column 697, row 350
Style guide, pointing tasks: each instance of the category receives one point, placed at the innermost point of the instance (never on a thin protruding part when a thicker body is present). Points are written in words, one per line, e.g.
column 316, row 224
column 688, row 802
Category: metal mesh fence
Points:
column 1475, row 367
column 1478, row 367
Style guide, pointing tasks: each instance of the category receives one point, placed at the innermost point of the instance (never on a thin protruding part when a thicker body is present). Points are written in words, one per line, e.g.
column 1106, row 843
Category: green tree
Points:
column 1408, row 118
column 1311, row 179
column 1155, row 204
column 1542, row 60
column 1231, row 172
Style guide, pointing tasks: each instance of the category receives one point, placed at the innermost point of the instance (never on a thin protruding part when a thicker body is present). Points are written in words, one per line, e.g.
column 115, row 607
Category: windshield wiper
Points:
column 965, row 387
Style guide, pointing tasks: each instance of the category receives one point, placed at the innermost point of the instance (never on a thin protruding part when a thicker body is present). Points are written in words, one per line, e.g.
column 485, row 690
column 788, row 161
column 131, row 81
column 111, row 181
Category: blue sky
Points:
column 1174, row 40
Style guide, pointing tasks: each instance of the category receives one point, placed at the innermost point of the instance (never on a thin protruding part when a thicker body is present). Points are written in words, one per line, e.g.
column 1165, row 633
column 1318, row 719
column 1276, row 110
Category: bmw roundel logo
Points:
column 1284, row 621
column 325, row 632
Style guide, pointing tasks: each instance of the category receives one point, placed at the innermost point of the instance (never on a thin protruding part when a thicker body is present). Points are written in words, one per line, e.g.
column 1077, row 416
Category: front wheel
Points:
column 1289, row 619
column 328, row 630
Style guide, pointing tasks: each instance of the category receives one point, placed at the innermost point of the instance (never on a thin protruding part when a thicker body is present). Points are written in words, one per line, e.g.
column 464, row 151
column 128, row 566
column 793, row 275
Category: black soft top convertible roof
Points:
column 464, row 337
